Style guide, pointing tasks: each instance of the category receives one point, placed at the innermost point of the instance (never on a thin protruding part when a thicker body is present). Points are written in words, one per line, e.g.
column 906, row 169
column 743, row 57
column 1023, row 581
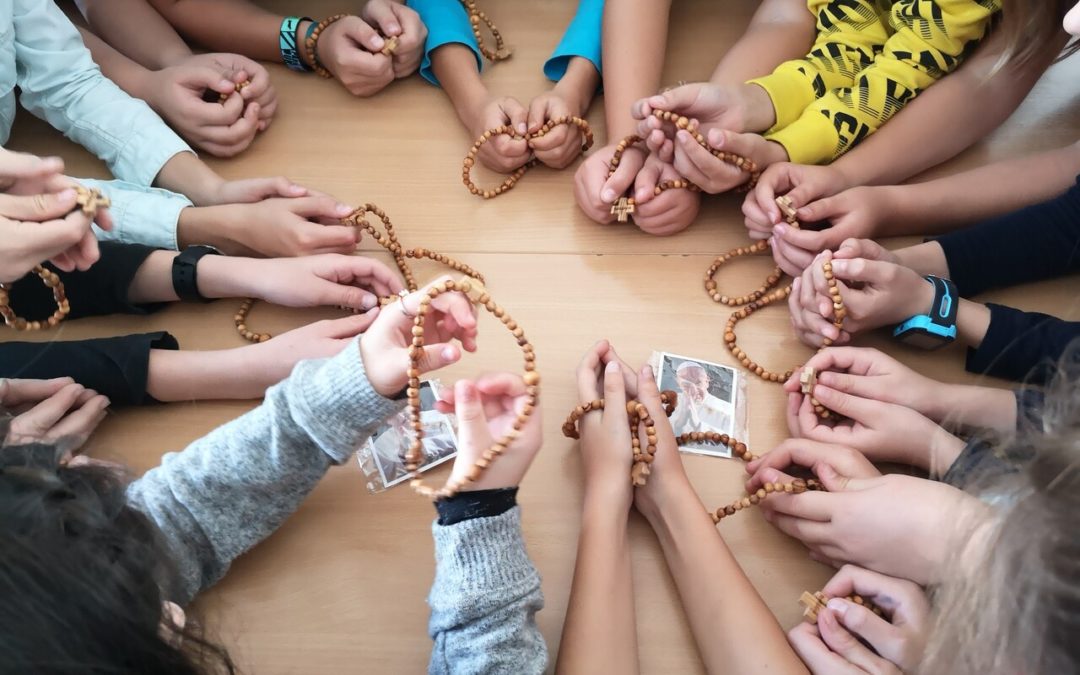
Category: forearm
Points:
column 218, row 277
column 599, row 633
column 222, row 374
column 137, row 30
column 578, row 85
column 190, row 176
column 454, row 65
column 946, row 203
column 956, row 112
column 236, row 26
column 127, row 74
column 966, row 407
column 972, row 322
column 715, row 593
column 779, row 31
column 635, row 40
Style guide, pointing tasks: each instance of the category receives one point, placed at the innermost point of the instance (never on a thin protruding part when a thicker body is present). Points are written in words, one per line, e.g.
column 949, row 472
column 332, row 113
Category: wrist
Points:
column 188, row 175
column 204, row 226
column 661, row 496
column 578, row 85
column 920, row 300
column 140, row 84
column 759, row 114
column 894, row 215
column 605, row 508
column 944, row 449
column 925, row 258
column 228, row 277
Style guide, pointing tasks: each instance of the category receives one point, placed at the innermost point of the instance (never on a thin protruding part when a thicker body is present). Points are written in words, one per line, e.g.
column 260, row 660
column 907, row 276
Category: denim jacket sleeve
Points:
column 61, row 84
column 141, row 215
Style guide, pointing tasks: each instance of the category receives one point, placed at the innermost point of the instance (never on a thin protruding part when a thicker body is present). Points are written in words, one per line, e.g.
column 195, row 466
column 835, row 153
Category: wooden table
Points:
column 341, row 587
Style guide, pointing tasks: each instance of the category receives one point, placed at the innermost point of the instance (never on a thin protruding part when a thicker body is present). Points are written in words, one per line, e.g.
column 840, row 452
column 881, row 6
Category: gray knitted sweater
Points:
column 232, row 488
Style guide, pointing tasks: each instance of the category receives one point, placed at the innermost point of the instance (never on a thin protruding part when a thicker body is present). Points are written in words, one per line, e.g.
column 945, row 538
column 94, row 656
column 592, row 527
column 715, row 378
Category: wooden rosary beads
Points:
column 507, row 130
column 531, row 378
column 815, row 602
column 312, row 41
column 501, row 52
column 762, row 297
column 637, row 414
column 387, row 240
column 624, row 206
column 89, row 200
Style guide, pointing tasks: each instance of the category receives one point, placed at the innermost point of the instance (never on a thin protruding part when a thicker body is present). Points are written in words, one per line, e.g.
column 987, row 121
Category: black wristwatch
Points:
column 937, row 327
column 185, row 276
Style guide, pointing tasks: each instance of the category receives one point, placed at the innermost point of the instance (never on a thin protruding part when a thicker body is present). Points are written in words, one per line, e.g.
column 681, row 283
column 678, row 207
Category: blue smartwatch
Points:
column 290, row 52
column 937, row 327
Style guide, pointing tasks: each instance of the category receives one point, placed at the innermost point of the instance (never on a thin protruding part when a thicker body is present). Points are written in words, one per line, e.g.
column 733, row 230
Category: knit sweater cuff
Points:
column 339, row 407
column 789, row 90
column 811, row 139
column 479, row 563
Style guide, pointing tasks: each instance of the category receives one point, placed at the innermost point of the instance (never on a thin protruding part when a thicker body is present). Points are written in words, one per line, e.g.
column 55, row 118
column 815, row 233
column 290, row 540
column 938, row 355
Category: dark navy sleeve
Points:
column 1041, row 241
column 100, row 290
column 117, row 367
column 1022, row 346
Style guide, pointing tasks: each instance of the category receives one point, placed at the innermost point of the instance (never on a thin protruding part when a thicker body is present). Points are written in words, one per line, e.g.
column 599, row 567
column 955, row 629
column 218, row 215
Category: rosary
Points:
column 638, row 415
column 764, row 296
column 89, row 200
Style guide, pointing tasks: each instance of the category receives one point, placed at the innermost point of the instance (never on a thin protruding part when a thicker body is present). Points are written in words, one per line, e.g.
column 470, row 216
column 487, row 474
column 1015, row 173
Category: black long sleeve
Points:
column 117, row 367
column 1041, row 241
column 101, row 290
column 1022, row 346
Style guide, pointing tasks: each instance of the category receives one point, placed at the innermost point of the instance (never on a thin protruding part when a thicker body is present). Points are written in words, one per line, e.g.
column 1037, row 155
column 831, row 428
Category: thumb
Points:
column 436, row 356
column 364, row 35
column 517, row 115
column 202, row 78
column 320, row 207
column 39, row 207
column 822, row 209
column 833, row 481
column 855, row 408
column 619, row 182
column 473, row 432
column 678, row 100
column 382, row 15
column 350, row 297
column 538, row 113
column 873, row 272
column 808, row 240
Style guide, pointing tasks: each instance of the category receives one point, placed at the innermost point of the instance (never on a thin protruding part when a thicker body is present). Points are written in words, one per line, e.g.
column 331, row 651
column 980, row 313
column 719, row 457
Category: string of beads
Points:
column 88, row 200
column 413, row 457
column 506, row 130
column 764, row 296
column 386, row 239
column 624, row 207
column 815, row 602
column 501, row 51
column 312, row 41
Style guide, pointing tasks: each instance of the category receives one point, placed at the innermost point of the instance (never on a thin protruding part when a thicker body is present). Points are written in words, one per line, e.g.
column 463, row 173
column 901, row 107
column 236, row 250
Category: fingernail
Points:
column 107, row 402
column 716, row 138
column 612, row 367
column 66, row 195
column 682, row 136
column 780, row 230
column 393, row 27
column 522, row 127
column 449, row 353
column 641, row 194
column 647, row 372
column 368, row 302
column 837, row 605
column 378, row 42
column 608, row 195
column 839, row 266
column 343, row 209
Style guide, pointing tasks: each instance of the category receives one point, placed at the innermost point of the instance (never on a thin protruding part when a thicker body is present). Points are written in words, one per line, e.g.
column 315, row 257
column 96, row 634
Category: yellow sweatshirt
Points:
column 868, row 61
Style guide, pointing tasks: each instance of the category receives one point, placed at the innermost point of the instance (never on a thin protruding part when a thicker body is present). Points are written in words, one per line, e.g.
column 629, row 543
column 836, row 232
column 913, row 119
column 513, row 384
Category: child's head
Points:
column 83, row 577
column 1012, row 604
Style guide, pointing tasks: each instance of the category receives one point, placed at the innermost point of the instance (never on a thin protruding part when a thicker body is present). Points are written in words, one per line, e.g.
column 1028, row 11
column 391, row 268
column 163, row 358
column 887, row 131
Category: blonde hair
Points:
column 1011, row 601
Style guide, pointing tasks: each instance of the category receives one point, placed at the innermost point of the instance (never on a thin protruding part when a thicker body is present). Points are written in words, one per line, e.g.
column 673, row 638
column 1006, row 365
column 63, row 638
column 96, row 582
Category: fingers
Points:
column 358, row 30
column 516, row 114
column 38, row 207
column 806, row 640
column 16, row 392
column 383, row 16
column 21, row 166
column 614, row 395
column 351, row 326
column 646, row 181
column 473, row 432
column 588, row 372
column 74, row 429
column 539, row 113
column 40, row 419
column 619, row 182
column 649, row 395
column 842, row 642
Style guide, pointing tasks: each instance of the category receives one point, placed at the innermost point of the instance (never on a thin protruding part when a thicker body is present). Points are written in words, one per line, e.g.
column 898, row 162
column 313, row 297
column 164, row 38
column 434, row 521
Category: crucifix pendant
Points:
column 622, row 209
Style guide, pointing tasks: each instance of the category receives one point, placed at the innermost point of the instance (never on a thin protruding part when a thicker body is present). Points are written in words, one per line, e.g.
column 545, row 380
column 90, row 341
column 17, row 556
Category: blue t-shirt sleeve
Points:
column 447, row 23
column 582, row 38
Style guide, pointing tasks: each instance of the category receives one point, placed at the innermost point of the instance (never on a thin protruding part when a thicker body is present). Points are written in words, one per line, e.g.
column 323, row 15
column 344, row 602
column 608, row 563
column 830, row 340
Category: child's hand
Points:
column 712, row 175
column 287, row 227
column 894, row 524
column 562, row 145
column 238, row 69
column 595, row 192
column 871, row 374
column 385, row 349
column 349, row 281
column 395, row 19
column 668, row 475
column 501, row 153
column 669, row 212
column 43, row 227
column 886, row 294
column 222, row 129
column 801, row 183
column 801, row 452
column 349, row 48
column 606, row 456
column 741, row 108
column 51, row 411
column 486, row 410
column 884, row 432
column 833, row 646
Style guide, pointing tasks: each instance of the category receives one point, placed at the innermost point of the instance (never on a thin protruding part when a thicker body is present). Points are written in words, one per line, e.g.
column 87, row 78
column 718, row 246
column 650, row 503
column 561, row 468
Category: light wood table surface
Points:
column 342, row 586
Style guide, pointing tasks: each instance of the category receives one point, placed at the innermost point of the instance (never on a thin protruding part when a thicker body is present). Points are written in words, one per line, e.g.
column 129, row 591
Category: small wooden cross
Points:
column 807, row 380
column 622, row 209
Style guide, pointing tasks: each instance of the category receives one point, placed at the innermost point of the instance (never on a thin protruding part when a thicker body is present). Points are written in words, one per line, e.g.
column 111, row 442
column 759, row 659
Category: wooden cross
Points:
column 622, row 209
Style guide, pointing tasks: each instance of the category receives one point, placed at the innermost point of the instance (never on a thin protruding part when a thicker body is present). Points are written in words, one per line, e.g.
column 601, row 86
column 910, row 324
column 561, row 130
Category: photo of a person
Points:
column 706, row 401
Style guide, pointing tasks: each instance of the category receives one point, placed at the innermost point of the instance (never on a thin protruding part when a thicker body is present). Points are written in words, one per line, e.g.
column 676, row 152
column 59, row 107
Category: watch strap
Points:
column 185, row 275
column 290, row 52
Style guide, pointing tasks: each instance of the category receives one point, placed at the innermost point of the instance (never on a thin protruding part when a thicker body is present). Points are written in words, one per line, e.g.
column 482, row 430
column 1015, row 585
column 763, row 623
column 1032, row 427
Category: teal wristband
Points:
column 290, row 52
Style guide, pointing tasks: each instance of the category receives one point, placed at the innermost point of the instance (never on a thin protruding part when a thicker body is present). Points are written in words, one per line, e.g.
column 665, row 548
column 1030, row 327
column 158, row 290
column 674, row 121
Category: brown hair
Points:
column 1029, row 28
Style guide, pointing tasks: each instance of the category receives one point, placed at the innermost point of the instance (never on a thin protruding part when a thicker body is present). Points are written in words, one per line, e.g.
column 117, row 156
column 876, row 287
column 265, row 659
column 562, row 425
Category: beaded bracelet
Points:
column 312, row 41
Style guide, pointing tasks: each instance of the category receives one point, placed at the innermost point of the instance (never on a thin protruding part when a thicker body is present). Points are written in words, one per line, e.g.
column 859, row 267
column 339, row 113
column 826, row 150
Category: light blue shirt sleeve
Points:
column 141, row 215
column 582, row 38
column 447, row 23
column 61, row 84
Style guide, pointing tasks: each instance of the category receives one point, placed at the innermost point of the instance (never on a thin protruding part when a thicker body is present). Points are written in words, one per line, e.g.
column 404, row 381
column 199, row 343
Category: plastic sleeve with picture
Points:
column 711, row 398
